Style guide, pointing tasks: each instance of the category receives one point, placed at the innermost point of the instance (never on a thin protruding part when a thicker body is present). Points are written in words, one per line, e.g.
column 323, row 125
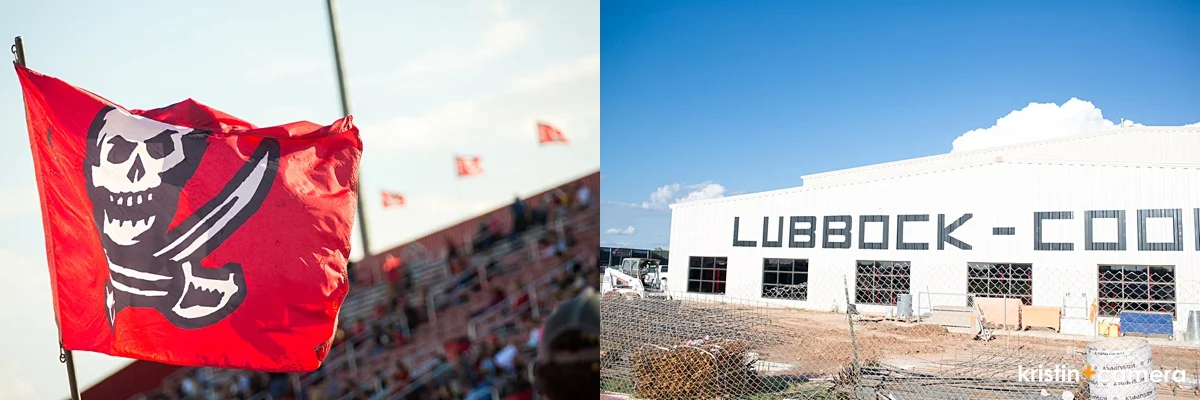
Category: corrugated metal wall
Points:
column 997, row 195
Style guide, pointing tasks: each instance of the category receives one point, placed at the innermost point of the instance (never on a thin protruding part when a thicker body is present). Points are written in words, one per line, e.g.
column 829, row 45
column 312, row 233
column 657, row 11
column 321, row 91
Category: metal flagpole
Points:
column 64, row 355
column 341, row 76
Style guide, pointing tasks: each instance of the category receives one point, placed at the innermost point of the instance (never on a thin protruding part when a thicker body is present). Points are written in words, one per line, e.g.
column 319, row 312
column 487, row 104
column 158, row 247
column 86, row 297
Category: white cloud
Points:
column 419, row 132
column 499, row 39
column 678, row 193
column 627, row 231
column 1039, row 121
column 582, row 67
column 1195, row 124
column 264, row 68
column 704, row 192
column 500, row 7
column 560, row 98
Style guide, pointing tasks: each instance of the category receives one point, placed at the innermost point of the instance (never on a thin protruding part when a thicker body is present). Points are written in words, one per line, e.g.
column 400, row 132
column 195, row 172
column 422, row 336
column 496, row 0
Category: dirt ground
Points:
column 817, row 345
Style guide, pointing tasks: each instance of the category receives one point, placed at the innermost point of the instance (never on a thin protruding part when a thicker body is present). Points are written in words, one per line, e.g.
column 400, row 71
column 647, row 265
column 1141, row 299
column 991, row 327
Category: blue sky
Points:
column 426, row 80
column 705, row 99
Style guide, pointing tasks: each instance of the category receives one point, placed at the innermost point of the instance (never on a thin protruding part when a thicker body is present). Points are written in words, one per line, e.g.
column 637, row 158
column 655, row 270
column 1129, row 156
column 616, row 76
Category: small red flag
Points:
column 392, row 199
column 186, row 236
column 468, row 166
column 550, row 134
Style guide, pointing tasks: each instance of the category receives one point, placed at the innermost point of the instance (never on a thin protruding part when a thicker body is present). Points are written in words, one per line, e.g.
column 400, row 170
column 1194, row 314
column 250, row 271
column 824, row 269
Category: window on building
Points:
column 605, row 254
column 785, row 279
column 881, row 282
column 1001, row 280
column 707, row 274
column 1136, row 288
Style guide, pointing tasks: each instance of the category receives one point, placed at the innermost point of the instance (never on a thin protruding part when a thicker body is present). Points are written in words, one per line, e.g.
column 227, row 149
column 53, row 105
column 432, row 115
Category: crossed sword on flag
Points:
column 197, row 237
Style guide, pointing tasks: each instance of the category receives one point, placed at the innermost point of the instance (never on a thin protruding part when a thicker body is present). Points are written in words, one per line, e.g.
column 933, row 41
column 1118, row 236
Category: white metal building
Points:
column 1114, row 215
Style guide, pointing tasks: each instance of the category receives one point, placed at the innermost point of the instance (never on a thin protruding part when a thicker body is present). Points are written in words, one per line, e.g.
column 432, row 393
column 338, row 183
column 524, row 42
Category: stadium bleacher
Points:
column 452, row 315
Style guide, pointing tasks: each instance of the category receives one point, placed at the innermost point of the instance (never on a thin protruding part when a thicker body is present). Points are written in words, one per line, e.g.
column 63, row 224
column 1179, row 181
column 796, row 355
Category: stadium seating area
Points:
column 461, row 324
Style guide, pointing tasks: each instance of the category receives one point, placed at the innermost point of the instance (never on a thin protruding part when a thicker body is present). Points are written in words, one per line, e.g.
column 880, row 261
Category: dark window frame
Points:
column 877, row 274
column 1124, row 287
column 707, row 275
column 773, row 272
column 1006, row 280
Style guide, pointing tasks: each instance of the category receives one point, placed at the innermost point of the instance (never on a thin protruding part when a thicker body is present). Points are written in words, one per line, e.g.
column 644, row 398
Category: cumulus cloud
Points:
column 1039, row 121
column 674, row 193
column 627, row 231
column 500, row 39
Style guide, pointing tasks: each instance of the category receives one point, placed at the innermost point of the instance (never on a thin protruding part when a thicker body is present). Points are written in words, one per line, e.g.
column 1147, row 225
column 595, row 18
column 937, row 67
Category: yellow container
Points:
column 1110, row 329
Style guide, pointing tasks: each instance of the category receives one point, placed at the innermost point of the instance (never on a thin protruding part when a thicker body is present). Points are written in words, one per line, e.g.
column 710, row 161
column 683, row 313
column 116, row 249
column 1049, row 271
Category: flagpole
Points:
column 341, row 77
column 64, row 355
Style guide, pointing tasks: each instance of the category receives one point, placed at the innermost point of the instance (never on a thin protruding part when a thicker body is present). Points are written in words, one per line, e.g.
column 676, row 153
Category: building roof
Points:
column 1151, row 146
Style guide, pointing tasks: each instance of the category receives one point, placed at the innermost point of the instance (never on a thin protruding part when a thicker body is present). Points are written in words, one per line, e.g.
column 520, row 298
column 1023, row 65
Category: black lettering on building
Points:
column 1089, row 233
column 944, row 232
column 843, row 232
column 778, row 236
column 1176, row 216
column 811, row 232
column 1038, row 217
column 862, row 232
column 740, row 243
column 900, row 220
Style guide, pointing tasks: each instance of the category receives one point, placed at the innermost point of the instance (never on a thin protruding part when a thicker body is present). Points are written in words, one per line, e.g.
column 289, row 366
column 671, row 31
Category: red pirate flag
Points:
column 392, row 199
column 468, row 166
column 186, row 236
column 549, row 134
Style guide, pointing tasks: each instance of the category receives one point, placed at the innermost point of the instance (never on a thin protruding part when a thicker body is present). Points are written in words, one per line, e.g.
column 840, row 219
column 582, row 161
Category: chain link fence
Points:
column 885, row 338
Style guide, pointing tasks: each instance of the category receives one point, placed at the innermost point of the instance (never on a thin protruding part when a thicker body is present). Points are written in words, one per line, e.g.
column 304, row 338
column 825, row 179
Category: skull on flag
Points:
column 136, row 168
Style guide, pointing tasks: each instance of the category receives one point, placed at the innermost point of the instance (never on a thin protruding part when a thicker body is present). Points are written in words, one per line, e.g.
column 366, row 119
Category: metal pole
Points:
column 18, row 50
column 64, row 355
column 341, row 76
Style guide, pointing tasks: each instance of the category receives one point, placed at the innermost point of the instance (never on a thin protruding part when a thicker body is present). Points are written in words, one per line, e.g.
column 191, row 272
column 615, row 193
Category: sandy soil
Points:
column 818, row 345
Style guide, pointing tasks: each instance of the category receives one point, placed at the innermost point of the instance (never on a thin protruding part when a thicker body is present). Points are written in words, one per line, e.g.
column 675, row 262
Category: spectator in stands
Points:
column 533, row 333
column 399, row 374
column 384, row 340
column 490, row 298
column 483, row 238
column 520, row 216
column 505, row 357
column 568, row 361
column 411, row 315
column 583, row 197
column 279, row 386
column 451, row 249
column 517, row 288
column 560, row 281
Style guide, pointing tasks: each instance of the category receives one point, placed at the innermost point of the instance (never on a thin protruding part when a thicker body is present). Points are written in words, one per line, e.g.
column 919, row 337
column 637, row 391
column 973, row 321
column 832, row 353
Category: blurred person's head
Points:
column 568, row 360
